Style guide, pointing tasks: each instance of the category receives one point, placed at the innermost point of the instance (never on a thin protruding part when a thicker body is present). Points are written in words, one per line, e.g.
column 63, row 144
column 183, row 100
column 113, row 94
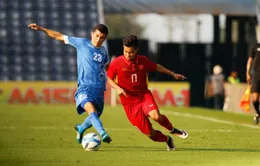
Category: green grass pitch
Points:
column 43, row 135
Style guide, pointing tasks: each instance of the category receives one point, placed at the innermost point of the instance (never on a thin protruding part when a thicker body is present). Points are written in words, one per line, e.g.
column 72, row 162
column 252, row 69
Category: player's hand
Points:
column 121, row 91
column 248, row 78
column 34, row 26
column 179, row 76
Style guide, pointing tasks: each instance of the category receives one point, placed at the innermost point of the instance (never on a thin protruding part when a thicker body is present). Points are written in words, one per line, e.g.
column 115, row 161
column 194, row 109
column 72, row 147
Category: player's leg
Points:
column 80, row 128
column 99, row 105
column 158, row 136
column 87, row 123
column 150, row 108
column 255, row 99
column 141, row 122
column 84, row 101
column 96, row 122
column 164, row 122
column 145, row 127
column 255, row 89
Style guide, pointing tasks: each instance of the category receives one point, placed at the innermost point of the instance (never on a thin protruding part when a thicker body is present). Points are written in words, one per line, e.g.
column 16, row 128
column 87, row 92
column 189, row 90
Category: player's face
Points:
column 130, row 52
column 97, row 38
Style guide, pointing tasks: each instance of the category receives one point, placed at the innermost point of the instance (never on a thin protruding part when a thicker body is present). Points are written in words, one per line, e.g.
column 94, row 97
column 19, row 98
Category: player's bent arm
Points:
column 248, row 68
column 249, row 65
column 112, row 83
column 51, row 33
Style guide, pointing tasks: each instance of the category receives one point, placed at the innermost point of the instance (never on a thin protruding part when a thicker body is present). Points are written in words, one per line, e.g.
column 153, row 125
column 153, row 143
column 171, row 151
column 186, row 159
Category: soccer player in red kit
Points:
column 127, row 74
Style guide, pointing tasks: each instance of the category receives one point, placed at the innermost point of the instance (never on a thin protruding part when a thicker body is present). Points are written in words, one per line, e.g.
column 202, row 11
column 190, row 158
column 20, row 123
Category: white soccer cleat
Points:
column 184, row 134
column 180, row 133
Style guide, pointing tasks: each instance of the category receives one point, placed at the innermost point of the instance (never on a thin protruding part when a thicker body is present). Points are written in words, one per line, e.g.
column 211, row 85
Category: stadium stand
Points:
column 26, row 55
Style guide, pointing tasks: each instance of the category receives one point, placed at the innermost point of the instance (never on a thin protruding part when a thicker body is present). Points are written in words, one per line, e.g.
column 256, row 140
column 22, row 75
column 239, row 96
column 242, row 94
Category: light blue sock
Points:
column 96, row 123
column 85, row 125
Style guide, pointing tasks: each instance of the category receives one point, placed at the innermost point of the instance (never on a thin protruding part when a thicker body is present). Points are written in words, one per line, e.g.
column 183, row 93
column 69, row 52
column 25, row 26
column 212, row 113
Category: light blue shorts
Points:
column 96, row 97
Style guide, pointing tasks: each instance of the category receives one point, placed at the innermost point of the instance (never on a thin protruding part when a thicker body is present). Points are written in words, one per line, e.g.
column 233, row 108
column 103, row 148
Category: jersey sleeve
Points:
column 112, row 71
column 76, row 42
column 150, row 66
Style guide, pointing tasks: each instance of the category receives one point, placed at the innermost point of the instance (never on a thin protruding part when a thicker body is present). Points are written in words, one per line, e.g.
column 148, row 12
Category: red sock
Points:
column 159, row 137
column 164, row 121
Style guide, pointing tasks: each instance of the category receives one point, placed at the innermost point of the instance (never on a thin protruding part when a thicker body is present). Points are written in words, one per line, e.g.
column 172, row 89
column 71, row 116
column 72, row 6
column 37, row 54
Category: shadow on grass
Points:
column 145, row 148
column 219, row 149
column 133, row 148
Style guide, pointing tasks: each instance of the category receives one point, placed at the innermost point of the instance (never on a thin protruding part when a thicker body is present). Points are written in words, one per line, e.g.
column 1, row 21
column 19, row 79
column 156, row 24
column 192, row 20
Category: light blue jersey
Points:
column 92, row 78
column 91, row 63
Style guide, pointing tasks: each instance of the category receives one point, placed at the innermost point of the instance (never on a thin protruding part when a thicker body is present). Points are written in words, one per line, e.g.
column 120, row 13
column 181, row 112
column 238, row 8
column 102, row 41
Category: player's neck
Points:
column 130, row 61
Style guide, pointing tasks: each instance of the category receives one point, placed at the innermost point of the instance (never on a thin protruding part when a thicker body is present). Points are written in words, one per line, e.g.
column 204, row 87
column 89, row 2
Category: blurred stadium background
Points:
column 195, row 36
column 38, row 79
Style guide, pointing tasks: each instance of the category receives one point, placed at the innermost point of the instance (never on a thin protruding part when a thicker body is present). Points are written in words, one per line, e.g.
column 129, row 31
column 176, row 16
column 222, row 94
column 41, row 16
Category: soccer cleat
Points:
column 79, row 135
column 170, row 144
column 256, row 119
column 106, row 138
column 180, row 133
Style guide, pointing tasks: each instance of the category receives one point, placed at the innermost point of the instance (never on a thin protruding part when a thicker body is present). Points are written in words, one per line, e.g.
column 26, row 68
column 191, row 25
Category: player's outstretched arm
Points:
column 53, row 34
column 164, row 70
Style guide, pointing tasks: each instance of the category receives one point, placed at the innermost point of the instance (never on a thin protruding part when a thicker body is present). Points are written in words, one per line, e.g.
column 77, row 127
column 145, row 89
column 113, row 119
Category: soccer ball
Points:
column 91, row 142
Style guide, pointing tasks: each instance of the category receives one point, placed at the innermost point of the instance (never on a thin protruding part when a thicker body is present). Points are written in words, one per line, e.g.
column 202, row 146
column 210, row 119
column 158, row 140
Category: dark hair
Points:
column 130, row 41
column 102, row 28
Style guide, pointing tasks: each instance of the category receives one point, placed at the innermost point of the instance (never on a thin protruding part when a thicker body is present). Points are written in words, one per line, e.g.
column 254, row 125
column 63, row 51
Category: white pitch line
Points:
column 209, row 119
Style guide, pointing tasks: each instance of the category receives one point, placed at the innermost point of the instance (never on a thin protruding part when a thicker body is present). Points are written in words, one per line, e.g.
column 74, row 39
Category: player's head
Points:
column 234, row 74
column 99, row 35
column 217, row 69
column 131, row 47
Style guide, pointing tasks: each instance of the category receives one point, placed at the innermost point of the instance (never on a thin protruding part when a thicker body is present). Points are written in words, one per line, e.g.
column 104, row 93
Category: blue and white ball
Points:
column 91, row 142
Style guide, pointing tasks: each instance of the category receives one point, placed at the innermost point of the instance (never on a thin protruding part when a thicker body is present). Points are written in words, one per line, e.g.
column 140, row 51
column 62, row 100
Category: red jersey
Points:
column 131, row 76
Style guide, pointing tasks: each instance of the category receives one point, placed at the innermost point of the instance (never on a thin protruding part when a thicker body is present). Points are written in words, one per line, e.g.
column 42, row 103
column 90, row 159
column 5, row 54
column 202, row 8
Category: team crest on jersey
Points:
column 124, row 69
column 102, row 49
column 141, row 67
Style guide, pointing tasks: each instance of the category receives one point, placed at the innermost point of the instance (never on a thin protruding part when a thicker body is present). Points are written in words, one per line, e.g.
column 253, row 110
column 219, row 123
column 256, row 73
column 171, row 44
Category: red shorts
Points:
column 137, row 113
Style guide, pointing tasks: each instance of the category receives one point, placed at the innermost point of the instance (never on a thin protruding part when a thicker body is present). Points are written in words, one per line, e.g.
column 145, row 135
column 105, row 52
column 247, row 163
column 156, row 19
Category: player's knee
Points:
column 89, row 108
column 155, row 116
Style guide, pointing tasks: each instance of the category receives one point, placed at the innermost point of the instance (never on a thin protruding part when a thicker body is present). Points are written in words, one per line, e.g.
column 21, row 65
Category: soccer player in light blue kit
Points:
column 91, row 60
